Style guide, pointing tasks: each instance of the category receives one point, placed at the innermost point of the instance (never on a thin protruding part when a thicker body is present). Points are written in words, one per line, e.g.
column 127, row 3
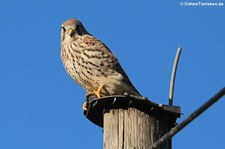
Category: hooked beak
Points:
column 70, row 31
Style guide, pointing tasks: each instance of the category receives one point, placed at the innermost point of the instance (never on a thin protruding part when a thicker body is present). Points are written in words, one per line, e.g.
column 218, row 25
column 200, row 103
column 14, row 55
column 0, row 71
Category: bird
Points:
column 91, row 64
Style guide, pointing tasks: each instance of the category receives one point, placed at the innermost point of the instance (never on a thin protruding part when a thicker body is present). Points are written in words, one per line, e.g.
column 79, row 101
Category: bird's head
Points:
column 70, row 29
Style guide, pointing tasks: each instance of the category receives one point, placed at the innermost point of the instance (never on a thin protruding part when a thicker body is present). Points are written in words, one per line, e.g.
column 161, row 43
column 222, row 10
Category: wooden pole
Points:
column 131, row 123
column 132, row 129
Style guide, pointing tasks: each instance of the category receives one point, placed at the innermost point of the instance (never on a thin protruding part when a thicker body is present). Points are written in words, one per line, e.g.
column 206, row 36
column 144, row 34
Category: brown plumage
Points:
column 91, row 63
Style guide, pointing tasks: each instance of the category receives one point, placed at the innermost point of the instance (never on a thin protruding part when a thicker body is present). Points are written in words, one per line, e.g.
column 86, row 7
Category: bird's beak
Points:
column 69, row 31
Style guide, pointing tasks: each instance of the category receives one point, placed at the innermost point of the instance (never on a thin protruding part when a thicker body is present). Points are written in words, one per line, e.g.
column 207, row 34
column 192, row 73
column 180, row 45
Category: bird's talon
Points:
column 84, row 107
column 97, row 93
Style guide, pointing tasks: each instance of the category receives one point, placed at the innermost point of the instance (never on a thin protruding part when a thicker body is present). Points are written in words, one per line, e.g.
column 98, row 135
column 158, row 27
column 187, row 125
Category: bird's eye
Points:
column 79, row 30
column 77, row 27
column 63, row 29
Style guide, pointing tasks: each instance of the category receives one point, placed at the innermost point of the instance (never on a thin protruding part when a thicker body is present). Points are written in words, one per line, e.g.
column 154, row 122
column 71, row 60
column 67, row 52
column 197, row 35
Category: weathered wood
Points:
column 131, row 123
column 133, row 129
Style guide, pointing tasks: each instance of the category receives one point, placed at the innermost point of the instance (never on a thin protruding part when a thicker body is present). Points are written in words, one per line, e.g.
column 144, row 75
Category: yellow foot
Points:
column 84, row 107
column 97, row 93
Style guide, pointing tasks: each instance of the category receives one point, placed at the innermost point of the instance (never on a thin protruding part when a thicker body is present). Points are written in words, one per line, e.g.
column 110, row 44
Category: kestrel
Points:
column 91, row 63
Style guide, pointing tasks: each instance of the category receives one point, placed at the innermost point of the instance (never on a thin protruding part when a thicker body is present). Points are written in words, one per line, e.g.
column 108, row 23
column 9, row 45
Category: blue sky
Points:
column 40, row 106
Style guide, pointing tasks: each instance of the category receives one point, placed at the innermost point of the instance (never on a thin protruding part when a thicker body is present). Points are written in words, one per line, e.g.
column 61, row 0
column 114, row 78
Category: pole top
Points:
column 98, row 106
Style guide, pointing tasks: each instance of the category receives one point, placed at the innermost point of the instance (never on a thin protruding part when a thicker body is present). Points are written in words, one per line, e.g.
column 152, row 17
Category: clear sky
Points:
column 40, row 106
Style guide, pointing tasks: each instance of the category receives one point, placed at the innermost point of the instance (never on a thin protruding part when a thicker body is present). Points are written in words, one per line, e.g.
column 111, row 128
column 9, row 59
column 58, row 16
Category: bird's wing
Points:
column 105, row 58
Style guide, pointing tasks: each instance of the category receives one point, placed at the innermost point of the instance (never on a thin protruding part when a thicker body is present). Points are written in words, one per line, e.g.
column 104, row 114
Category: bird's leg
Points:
column 97, row 93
